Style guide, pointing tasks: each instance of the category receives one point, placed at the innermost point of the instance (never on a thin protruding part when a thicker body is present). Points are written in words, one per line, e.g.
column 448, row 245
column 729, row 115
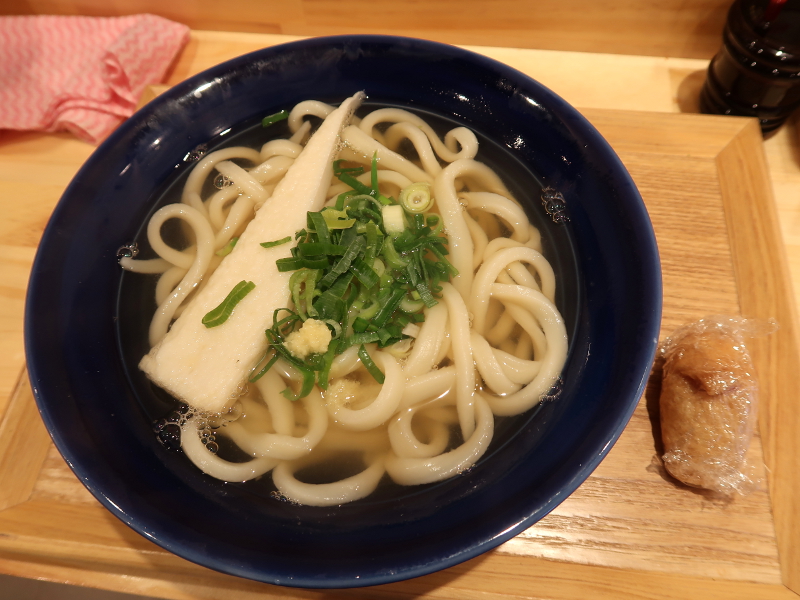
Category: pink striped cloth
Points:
column 81, row 74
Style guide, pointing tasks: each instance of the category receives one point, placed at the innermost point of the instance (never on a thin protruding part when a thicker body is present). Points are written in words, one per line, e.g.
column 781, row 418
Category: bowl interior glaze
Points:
column 86, row 320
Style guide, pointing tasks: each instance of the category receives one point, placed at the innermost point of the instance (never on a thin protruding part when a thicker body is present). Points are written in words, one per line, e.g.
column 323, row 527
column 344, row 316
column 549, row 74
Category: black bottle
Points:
column 757, row 71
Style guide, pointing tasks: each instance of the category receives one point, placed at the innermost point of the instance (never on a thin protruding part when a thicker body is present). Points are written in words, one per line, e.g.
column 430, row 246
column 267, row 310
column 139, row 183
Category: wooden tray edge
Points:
column 493, row 576
column 765, row 291
column 569, row 580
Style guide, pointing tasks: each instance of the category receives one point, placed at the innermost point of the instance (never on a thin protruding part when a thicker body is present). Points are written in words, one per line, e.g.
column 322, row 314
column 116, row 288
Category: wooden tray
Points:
column 629, row 531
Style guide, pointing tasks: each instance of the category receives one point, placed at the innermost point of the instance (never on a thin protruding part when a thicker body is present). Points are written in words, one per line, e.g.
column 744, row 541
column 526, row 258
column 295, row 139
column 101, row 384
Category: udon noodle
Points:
column 493, row 345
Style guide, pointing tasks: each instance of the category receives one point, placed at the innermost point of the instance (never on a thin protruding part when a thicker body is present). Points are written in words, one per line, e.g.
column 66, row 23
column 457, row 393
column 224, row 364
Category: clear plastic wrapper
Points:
column 709, row 402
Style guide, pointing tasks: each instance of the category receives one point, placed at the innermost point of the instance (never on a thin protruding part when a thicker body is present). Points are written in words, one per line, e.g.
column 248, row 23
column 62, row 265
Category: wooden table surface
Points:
column 712, row 189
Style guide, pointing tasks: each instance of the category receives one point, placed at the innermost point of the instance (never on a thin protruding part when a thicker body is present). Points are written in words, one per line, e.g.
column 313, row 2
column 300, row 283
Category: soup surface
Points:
column 414, row 398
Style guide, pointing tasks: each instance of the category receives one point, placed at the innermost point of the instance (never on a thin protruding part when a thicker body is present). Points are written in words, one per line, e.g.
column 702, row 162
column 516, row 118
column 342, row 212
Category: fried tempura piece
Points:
column 708, row 405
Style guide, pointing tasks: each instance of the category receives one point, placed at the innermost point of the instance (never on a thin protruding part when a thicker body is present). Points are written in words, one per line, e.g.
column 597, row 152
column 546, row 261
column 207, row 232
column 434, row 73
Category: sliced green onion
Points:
column 414, row 271
column 265, row 368
column 387, row 281
column 338, row 169
column 443, row 261
column 226, row 249
column 328, row 306
column 340, row 286
column 393, row 221
column 336, row 326
column 318, row 248
column 367, row 267
column 370, row 366
column 371, row 310
column 417, row 198
column 284, row 325
column 221, row 313
column 348, row 236
column 383, row 336
column 302, row 285
column 374, row 240
column 337, row 219
column 327, row 362
column 435, row 223
column 365, row 274
column 393, row 259
column 425, row 295
column 285, row 240
column 360, row 325
column 289, row 264
column 315, row 263
column 309, row 378
column 274, row 118
column 355, row 184
column 411, row 306
column 374, row 171
column 341, row 199
column 316, row 223
column 388, row 308
column 406, row 243
column 343, row 264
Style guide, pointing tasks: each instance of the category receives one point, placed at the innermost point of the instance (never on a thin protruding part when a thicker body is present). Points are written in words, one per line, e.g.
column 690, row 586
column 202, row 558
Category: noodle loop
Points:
column 492, row 342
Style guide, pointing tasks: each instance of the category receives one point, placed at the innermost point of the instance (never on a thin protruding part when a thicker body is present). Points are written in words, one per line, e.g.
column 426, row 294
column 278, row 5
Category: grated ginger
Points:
column 312, row 338
column 342, row 392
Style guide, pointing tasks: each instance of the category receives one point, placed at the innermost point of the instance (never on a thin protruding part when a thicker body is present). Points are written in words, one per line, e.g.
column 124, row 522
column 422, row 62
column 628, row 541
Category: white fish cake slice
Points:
column 206, row 367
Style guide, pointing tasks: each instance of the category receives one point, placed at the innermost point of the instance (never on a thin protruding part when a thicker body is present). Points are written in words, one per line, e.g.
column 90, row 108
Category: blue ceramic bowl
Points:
column 86, row 320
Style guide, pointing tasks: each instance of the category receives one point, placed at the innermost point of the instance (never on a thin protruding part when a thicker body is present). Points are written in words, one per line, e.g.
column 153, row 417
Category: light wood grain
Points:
column 628, row 532
column 637, row 27
column 35, row 169
column 15, row 266
column 491, row 577
column 19, row 470
column 757, row 250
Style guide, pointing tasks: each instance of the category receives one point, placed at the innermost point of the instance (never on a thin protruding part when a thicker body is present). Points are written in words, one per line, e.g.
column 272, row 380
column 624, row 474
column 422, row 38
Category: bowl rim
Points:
column 651, row 289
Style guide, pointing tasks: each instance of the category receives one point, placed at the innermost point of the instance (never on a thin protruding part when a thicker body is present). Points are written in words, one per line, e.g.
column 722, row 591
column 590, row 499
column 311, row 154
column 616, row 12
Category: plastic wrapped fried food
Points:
column 709, row 402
